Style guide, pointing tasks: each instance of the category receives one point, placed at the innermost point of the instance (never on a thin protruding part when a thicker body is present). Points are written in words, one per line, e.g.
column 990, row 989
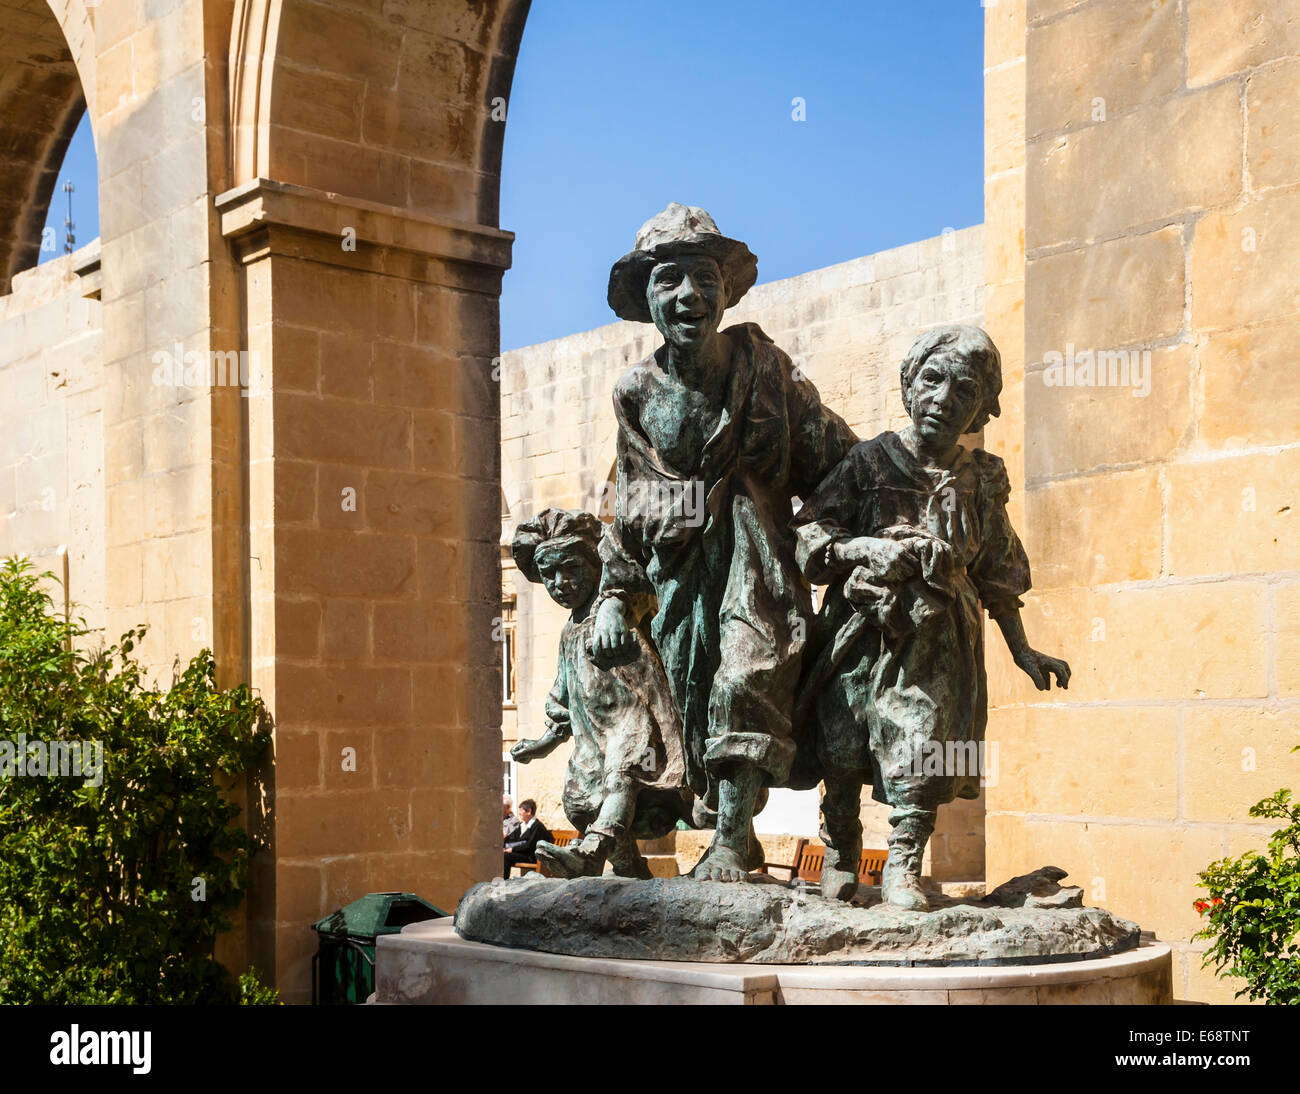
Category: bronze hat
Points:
column 679, row 229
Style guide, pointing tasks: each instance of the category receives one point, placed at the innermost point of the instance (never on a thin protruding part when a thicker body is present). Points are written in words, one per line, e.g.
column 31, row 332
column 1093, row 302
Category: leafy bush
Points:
column 114, row 886
column 1254, row 910
column 253, row 993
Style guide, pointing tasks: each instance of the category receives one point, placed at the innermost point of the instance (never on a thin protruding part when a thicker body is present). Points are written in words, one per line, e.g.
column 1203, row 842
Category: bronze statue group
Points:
column 693, row 671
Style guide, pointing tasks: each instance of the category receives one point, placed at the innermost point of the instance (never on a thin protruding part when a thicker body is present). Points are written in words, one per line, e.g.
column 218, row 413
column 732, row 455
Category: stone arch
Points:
column 47, row 81
column 403, row 107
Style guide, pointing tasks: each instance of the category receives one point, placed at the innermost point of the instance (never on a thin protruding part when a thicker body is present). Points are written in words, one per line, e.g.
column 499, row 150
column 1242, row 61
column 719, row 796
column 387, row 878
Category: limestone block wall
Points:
column 311, row 185
column 1144, row 208
column 146, row 73
column 847, row 327
column 51, row 429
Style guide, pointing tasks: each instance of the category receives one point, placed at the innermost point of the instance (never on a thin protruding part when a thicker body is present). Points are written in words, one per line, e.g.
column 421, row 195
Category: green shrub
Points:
column 253, row 993
column 1254, row 910
column 114, row 887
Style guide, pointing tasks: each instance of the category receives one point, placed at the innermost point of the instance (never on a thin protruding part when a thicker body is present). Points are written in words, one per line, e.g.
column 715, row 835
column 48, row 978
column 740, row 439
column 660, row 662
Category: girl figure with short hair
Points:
column 910, row 533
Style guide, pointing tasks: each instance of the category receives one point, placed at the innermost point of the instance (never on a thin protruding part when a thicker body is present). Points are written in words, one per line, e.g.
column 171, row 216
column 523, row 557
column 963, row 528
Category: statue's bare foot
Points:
column 721, row 864
column 582, row 860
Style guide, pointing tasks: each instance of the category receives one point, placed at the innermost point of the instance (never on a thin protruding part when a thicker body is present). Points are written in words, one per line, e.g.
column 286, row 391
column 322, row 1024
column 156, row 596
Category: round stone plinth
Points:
column 1030, row 920
column 429, row 963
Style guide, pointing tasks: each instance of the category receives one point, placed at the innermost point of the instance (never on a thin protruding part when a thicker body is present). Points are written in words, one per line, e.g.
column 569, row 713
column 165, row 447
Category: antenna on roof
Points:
column 68, row 225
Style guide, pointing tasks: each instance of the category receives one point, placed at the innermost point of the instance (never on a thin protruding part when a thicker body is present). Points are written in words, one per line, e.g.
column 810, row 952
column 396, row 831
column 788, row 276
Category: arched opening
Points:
column 72, row 219
column 42, row 102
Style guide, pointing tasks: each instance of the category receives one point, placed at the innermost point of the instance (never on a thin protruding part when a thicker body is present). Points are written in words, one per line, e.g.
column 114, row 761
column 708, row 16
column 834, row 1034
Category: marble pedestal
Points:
column 429, row 963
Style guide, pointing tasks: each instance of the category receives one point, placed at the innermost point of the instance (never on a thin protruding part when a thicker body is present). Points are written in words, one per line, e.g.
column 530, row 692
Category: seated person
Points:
column 509, row 822
column 523, row 848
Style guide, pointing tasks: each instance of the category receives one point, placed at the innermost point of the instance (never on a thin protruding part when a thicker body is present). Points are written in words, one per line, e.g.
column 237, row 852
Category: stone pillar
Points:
column 373, row 514
column 1160, row 463
column 166, row 300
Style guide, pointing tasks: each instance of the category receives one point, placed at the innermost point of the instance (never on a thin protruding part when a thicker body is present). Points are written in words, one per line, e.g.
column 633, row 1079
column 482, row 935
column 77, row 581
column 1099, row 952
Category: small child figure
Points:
column 627, row 772
column 910, row 532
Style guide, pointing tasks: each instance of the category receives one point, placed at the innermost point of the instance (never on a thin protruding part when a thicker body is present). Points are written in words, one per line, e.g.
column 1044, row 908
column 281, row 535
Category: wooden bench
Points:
column 561, row 837
column 809, row 857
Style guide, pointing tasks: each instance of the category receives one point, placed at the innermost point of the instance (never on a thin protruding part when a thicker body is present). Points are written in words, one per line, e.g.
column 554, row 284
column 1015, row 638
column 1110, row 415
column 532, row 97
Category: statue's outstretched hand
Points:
column 1040, row 669
column 536, row 749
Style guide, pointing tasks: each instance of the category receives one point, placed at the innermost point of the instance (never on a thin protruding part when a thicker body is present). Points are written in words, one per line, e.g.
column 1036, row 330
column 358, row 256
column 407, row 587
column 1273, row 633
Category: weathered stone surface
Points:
column 1250, row 503
column 1125, row 292
column 1273, row 151
column 1236, row 756
column 1148, row 642
column 1095, row 529
column 1288, row 638
column 1038, row 763
column 1104, row 59
column 1223, row 38
column 771, row 923
column 1074, row 193
column 1004, row 117
column 1250, row 396
column 1252, row 249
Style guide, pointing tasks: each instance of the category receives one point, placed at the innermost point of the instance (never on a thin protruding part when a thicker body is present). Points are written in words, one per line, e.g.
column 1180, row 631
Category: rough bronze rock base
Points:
column 766, row 922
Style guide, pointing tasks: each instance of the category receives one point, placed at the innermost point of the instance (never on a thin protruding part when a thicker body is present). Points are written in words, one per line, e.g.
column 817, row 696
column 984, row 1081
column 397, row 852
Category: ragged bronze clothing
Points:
column 900, row 666
column 626, row 735
column 728, row 607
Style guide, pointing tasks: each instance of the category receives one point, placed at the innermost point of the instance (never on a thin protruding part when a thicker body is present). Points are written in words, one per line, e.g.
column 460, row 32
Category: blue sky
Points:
column 79, row 167
column 619, row 107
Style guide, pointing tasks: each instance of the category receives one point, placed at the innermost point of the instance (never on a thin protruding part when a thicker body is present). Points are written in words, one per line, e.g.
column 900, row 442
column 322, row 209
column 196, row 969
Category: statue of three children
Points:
column 693, row 672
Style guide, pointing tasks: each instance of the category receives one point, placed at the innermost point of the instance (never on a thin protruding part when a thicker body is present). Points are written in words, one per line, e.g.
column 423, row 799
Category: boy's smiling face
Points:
column 687, row 295
column 570, row 578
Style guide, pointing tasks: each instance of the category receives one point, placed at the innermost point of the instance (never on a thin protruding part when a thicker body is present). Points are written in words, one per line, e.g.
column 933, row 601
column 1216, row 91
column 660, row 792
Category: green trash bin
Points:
column 343, row 967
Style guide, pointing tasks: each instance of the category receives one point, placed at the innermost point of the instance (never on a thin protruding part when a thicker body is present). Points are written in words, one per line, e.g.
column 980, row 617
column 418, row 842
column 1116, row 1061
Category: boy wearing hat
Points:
column 717, row 414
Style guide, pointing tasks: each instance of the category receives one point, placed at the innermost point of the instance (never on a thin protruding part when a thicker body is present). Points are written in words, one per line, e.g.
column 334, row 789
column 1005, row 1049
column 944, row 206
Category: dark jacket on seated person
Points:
column 524, row 845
